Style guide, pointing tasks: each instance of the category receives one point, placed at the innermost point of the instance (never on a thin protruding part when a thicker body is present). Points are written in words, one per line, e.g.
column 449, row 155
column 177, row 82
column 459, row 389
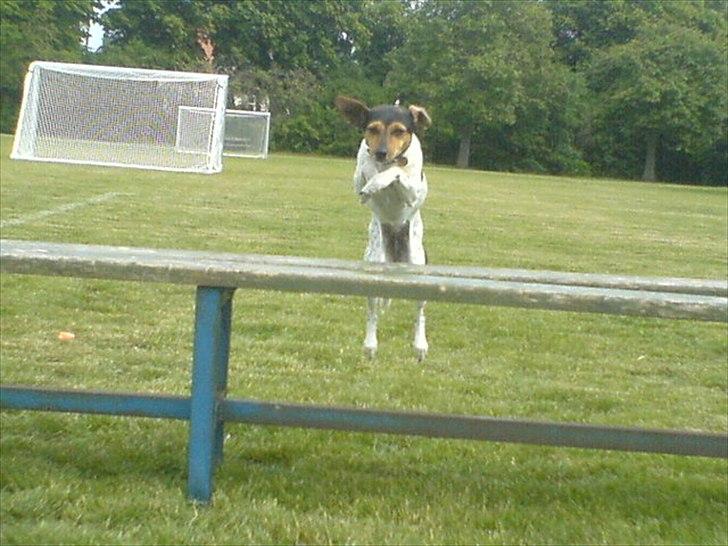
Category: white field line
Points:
column 59, row 210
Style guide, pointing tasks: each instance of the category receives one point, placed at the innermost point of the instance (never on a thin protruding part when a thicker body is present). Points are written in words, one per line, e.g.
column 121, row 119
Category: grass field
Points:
column 93, row 479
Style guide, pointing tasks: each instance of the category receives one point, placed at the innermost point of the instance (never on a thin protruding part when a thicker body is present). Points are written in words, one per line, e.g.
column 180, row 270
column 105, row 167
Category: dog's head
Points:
column 388, row 129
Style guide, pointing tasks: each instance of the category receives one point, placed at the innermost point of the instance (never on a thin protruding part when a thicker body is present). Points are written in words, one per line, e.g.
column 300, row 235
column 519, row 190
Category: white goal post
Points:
column 246, row 133
column 126, row 117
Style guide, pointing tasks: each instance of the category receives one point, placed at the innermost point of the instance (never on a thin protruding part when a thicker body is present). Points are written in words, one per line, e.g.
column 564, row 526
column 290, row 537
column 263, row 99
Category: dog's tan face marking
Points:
column 394, row 138
column 373, row 135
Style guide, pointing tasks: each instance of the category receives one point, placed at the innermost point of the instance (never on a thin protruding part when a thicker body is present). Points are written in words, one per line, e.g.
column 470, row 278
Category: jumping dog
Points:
column 389, row 179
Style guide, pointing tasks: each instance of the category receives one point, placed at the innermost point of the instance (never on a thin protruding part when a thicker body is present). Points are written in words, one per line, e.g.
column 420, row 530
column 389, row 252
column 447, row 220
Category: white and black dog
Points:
column 390, row 180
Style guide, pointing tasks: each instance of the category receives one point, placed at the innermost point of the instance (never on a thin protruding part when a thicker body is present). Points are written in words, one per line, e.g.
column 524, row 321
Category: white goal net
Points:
column 128, row 117
column 246, row 133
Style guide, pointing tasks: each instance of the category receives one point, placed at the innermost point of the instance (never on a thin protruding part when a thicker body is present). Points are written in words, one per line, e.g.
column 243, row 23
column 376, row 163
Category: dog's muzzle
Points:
column 381, row 158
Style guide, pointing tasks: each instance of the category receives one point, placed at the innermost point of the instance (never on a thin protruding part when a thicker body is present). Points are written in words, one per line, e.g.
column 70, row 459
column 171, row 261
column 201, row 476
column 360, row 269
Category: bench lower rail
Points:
column 434, row 425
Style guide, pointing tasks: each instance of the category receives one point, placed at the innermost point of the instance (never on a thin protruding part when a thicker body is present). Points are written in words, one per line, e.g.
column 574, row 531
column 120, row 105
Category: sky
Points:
column 96, row 31
column 96, row 37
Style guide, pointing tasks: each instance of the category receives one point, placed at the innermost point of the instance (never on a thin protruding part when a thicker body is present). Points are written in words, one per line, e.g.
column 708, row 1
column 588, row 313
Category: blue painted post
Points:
column 209, row 373
column 222, row 354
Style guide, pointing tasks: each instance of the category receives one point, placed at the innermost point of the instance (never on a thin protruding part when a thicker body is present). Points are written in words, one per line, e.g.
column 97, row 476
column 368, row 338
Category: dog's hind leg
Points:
column 418, row 256
column 374, row 253
column 370, row 341
column 420, row 342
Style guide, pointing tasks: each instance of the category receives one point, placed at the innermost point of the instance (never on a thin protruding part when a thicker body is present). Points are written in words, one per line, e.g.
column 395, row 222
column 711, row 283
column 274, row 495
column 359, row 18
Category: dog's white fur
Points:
column 394, row 194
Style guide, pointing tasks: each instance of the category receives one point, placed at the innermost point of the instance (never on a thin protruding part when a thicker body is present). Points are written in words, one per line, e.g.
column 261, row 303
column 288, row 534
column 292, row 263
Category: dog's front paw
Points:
column 367, row 191
column 376, row 184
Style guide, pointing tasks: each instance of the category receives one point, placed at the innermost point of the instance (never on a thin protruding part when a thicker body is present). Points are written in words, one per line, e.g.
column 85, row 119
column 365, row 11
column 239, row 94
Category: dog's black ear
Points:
column 421, row 117
column 356, row 112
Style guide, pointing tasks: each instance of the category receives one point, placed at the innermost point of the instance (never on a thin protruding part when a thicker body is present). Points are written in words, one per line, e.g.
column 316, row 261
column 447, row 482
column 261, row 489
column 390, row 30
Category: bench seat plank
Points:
column 598, row 294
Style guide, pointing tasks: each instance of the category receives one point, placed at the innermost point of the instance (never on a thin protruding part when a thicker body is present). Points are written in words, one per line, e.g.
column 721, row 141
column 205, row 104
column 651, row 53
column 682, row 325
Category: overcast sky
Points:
column 96, row 31
column 97, row 35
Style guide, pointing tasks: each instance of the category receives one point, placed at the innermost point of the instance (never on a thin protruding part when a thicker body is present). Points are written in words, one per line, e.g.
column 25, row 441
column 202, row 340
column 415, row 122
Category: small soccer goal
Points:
column 194, row 125
column 127, row 117
column 246, row 133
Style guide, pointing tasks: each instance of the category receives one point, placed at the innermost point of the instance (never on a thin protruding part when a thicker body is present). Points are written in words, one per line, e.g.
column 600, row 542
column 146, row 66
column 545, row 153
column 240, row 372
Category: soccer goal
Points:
column 127, row 117
column 246, row 133
column 194, row 125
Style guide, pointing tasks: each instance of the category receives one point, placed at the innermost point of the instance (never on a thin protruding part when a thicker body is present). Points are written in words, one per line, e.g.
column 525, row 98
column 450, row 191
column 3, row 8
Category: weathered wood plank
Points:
column 707, row 287
column 596, row 294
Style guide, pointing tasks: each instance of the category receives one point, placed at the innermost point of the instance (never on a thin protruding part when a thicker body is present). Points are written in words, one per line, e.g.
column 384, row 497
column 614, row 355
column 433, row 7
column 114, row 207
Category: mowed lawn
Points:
column 93, row 479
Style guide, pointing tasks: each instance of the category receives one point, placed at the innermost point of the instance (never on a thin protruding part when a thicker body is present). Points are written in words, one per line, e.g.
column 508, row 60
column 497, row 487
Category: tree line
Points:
column 621, row 88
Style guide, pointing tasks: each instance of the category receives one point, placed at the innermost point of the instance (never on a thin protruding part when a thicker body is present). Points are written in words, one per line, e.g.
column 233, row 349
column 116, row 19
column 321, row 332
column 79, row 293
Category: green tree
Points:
column 37, row 30
column 582, row 27
column 665, row 87
column 312, row 35
column 657, row 77
column 382, row 30
column 159, row 34
column 315, row 35
column 481, row 67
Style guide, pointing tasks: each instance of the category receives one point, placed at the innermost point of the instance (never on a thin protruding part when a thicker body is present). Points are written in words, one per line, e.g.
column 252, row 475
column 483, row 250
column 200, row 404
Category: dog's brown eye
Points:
column 373, row 130
column 397, row 132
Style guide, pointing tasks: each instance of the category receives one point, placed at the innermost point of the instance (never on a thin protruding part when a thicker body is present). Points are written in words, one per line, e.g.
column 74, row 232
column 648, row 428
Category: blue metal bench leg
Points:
column 222, row 354
column 209, row 377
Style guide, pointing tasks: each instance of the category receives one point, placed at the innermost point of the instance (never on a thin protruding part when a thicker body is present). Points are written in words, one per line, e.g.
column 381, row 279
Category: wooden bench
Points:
column 217, row 275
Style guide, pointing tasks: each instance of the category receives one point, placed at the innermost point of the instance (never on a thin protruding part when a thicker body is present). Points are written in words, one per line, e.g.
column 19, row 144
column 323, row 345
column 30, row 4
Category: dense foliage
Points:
column 627, row 88
column 38, row 30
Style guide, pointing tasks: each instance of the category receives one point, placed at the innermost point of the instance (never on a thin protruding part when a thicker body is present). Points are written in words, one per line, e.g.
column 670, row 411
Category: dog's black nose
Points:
column 380, row 156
